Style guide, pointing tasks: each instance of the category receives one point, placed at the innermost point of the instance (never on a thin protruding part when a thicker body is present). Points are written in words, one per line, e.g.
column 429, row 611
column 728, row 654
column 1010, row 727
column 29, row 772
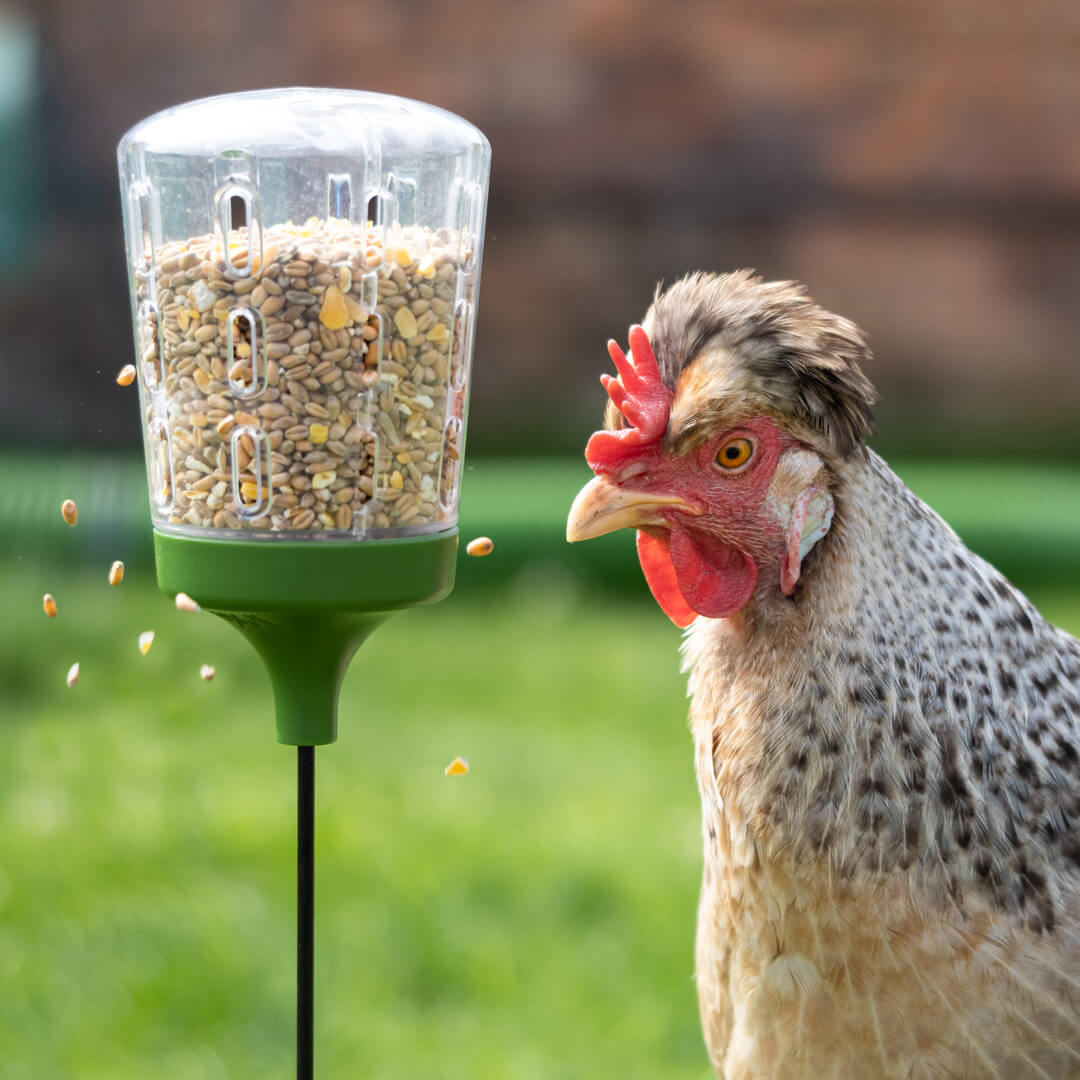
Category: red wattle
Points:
column 715, row 579
column 655, row 559
column 690, row 576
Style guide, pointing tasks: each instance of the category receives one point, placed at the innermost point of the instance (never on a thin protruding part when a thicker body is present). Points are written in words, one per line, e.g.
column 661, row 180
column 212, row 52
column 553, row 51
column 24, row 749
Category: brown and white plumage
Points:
column 887, row 754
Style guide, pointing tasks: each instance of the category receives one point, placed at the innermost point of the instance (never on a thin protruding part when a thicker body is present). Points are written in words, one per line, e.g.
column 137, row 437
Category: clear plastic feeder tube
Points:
column 303, row 267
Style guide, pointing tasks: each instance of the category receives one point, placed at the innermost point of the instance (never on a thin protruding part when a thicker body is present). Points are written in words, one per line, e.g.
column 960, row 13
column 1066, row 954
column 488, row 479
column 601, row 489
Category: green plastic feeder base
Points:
column 307, row 606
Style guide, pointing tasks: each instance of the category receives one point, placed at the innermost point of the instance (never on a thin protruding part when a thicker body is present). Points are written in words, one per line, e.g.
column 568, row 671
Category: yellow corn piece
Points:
column 185, row 603
column 126, row 376
column 481, row 546
column 438, row 333
column 116, row 573
column 318, row 433
column 69, row 511
column 146, row 639
column 458, row 767
column 49, row 604
column 333, row 314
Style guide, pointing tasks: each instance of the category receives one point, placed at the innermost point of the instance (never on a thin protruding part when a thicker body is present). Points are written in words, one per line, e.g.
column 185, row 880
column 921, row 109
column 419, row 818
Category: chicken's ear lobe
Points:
column 811, row 517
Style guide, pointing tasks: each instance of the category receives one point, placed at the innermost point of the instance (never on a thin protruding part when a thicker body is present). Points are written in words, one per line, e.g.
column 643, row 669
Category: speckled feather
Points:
column 887, row 760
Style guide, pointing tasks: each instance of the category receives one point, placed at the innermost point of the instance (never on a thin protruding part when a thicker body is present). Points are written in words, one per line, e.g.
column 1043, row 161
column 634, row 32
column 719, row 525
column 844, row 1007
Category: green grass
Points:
column 532, row 919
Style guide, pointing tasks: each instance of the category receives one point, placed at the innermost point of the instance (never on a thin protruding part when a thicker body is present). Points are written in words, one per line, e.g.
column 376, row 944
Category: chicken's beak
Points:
column 602, row 506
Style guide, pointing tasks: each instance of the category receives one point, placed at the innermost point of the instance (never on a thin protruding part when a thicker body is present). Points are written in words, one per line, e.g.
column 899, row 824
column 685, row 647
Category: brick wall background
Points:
column 916, row 163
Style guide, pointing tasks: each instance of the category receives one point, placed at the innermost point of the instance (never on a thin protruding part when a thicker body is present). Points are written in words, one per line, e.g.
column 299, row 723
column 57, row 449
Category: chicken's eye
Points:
column 734, row 453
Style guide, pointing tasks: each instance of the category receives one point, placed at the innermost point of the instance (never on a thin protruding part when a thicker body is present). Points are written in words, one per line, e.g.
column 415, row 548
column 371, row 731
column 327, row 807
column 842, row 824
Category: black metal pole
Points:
column 305, row 912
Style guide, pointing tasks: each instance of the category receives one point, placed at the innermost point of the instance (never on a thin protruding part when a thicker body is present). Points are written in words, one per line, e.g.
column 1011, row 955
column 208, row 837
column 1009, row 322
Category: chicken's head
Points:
column 727, row 468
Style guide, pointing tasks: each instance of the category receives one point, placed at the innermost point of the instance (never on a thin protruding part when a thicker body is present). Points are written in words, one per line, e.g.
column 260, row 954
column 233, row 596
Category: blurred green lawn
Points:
column 533, row 919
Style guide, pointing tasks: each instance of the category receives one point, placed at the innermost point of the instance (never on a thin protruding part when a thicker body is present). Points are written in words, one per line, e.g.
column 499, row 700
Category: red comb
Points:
column 640, row 395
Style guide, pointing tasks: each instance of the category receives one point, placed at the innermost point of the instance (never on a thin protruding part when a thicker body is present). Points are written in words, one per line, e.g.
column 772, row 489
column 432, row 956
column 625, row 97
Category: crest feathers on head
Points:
column 769, row 341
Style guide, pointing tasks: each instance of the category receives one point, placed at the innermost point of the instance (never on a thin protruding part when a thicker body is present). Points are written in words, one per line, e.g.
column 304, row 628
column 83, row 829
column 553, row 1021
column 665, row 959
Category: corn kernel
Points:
column 73, row 674
column 207, row 673
column 458, row 767
column 426, row 268
column 249, row 492
column 69, row 511
column 49, row 604
column 400, row 255
column 146, row 639
column 438, row 333
column 185, row 603
column 116, row 573
column 396, row 479
column 318, row 433
column 481, row 546
column 333, row 314
column 126, row 376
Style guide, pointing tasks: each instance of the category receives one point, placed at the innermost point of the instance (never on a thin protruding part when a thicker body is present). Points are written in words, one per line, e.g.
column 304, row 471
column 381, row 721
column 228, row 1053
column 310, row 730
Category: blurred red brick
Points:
column 916, row 164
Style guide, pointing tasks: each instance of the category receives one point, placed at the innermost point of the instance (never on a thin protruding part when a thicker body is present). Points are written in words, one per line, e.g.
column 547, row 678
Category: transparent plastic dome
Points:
column 303, row 267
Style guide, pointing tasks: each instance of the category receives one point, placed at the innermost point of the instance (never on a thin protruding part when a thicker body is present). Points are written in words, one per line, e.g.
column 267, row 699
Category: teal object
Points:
column 307, row 606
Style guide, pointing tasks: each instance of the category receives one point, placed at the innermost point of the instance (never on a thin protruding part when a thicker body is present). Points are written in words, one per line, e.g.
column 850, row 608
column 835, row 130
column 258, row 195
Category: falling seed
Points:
column 73, row 674
column 481, row 546
column 126, row 376
column 146, row 639
column 185, row 603
column 458, row 767
column 70, row 511
column 206, row 673
column 116, row 573
column 49, row 604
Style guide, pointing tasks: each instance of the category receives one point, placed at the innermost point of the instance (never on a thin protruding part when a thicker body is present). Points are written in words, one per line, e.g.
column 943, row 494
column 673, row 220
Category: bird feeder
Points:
column 303, row 267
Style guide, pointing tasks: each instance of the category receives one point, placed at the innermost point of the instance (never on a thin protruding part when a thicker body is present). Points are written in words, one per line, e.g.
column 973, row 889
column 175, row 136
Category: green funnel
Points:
column 307, row 607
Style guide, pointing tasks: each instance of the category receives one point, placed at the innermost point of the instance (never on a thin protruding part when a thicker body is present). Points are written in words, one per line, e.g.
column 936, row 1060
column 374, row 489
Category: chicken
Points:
column 885, row 729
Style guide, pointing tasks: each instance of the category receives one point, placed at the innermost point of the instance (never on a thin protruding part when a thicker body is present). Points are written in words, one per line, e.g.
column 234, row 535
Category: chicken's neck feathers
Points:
column 907, row 711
